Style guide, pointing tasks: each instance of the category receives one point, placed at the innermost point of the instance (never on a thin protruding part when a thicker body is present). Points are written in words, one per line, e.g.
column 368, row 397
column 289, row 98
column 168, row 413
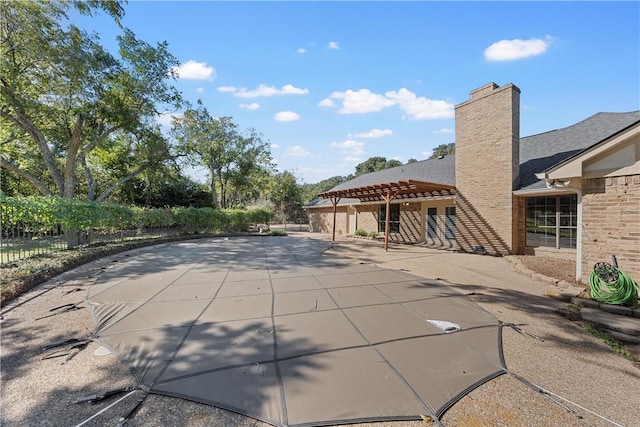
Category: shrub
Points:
column 360, row 232
column 277, row 232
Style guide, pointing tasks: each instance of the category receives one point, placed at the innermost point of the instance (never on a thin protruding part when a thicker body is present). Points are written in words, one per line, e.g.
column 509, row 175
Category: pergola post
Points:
column 387, row 199
column 334, row 201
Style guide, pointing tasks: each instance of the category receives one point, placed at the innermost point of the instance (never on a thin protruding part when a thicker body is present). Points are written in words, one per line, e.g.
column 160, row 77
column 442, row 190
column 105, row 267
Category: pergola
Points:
column 387, row 191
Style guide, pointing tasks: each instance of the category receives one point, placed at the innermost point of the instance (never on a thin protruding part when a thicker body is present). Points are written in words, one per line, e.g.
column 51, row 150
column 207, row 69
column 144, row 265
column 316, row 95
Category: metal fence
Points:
column 19, row 242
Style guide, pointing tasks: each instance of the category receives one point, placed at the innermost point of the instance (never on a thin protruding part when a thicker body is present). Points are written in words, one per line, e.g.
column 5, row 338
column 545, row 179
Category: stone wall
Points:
column 611, row 223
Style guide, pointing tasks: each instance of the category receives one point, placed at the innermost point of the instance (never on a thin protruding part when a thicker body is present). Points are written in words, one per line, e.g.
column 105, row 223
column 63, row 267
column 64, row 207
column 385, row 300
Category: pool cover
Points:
column 271, row 328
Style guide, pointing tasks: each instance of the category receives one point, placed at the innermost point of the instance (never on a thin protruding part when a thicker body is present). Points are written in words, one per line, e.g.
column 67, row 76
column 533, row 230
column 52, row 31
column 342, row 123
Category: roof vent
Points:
column 440, row 157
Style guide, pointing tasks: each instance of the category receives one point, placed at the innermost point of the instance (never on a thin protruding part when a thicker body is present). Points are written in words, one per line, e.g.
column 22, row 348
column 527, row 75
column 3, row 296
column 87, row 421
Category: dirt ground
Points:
column 582, row 382
column 560, row 269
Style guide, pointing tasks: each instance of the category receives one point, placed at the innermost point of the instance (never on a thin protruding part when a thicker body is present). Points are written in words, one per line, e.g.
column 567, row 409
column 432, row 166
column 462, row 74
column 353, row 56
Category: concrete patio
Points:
column 543, row 348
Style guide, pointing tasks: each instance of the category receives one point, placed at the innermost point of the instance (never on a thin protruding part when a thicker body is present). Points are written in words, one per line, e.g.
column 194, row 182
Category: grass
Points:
column 572, row 312
column 609, row 340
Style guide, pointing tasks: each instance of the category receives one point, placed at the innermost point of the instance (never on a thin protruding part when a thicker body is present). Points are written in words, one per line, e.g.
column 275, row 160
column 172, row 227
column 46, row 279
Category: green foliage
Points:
column 239, row 163
column 259, row 216
column 310, row 191
column 286, row 196
column 443, row 150
column 39, row 213
column 155, row 218
column 372, row 234
column 374, row 164
column 277, row 232
column 608, row 339
column 360, row 233
column 78, row 118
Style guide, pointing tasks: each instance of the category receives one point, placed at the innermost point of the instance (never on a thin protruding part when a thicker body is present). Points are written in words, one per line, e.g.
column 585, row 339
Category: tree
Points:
column 412, row 160
column 443, row 150
column 286, row 195
column 374, row 164
column 66, row 98
column 158, row 188
column 238, row 163
column 311, row 191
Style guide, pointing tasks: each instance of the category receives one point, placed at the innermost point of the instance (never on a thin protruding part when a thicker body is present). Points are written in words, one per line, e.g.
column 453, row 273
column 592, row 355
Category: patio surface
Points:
column 546, row 349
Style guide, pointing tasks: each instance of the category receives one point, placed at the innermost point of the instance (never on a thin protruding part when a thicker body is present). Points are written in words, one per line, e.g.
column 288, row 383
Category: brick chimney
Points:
column 487, row 169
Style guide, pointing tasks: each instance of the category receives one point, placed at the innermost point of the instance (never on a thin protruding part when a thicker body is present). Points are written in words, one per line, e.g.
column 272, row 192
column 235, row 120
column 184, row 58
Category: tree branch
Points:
column 22, row 120
column 106, row 193
column 27, row 176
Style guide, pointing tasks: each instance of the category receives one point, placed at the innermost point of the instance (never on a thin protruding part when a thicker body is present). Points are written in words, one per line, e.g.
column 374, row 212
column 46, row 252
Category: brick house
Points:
column 571, row 193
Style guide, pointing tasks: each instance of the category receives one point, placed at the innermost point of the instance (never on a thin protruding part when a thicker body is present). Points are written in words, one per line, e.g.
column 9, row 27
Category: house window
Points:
column 552, row 221
column 394, row 218
column 450, row 222
column 432, row 223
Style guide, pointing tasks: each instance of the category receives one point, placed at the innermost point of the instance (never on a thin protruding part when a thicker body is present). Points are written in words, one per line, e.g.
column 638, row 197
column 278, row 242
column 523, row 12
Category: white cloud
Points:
column 333, row 45
column 375, row 133
column 264, row 90
column 427, row 154
column 443, row 131
column 361, row 101
column 414, row 107
column 350, row 146
column 511, row 50
column 296, row 151
column 286, row 116
column 353, row 159
column 200, row 90
column 302, row 50
column 326, row 103
column 227, row 89
column 164, row 119
column 275, row 146
column 192, row 70
column 420, row 108
column 252, row 106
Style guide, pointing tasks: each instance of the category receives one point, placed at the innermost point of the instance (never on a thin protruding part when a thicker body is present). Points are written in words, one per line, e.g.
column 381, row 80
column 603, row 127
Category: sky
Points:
column 331, row 84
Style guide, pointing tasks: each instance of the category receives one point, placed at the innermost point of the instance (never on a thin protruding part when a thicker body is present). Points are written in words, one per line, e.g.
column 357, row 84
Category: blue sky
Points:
column 330, row 84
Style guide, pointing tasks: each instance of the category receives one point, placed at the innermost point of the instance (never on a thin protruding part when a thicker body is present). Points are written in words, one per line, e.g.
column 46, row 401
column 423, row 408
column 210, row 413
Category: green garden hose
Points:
column 612, row 285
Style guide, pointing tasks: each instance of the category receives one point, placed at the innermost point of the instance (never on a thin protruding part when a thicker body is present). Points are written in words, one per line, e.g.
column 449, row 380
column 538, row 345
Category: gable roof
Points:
column 537, row 154
column 545, row 150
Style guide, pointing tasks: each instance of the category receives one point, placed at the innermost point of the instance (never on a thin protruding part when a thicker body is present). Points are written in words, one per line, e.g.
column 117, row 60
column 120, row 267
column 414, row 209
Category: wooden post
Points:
column 387, row 199
column 334, row 201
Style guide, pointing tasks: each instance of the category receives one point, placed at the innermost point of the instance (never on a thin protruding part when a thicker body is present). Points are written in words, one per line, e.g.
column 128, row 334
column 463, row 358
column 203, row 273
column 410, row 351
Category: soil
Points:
column 561, row 269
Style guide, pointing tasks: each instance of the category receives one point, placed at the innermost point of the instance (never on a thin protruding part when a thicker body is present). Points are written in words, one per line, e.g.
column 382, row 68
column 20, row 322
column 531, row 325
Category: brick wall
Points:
column 611, row 223
column 487, row 158
column 410, row 225
column 321, row 220
column 368, row 218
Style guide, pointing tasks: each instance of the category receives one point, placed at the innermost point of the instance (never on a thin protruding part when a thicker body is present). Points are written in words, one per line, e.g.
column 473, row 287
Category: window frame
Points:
column 432, row 223
column 552, row 221
column 450, row 222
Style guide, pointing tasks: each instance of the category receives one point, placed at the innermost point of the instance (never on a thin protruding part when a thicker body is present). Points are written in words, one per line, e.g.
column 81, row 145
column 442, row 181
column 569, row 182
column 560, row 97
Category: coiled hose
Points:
column 612, row 285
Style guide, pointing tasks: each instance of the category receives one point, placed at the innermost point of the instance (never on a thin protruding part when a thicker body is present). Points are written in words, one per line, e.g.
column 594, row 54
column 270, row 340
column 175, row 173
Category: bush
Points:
column 277, row 232
column 360, row 232
column 372, row 234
